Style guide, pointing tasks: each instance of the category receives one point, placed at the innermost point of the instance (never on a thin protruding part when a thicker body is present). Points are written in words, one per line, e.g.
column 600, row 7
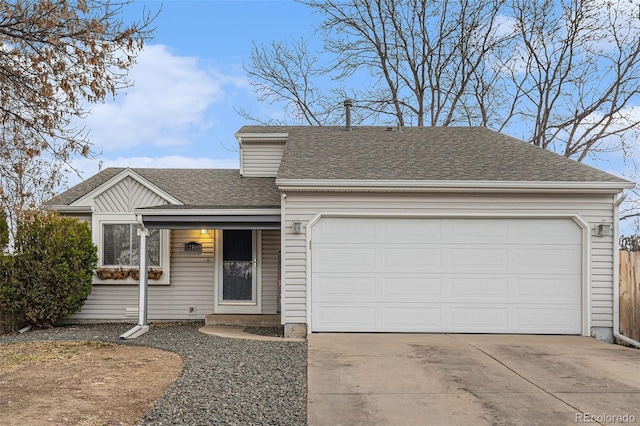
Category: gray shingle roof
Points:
column 195, row 188
column 365, row 153
column 422, row 153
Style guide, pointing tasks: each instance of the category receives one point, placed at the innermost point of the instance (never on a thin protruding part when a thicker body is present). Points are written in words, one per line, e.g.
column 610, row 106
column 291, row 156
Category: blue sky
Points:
column 188, row 83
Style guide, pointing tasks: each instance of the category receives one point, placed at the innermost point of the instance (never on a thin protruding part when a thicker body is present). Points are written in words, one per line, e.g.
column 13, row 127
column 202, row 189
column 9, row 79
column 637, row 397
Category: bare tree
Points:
column 56, row 58
column 575, row 74
column 563, row 75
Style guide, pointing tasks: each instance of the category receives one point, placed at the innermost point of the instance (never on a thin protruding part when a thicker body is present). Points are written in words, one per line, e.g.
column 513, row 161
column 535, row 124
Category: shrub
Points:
column 54, row 259
column 7, row 311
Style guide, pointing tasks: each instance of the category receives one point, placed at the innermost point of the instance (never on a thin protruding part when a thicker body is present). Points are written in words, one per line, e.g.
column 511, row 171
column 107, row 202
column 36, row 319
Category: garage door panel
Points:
column 474, row 231
column 472, row 259
column 334, row 317
column 344, row 259
column 548, row 260
column 345, row 230
column 409, row 231
column 336, row 288
column 414, row 258
column 543, row 289
column 547, row 232
column 403, row 318
column 451, row 275
column 411, row 288
column 554, row 319
column 474, row 288
column 472, row 318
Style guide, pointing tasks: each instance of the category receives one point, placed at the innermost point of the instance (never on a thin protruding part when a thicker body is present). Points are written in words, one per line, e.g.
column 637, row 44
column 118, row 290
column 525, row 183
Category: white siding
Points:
column 270, row 249
column 125, row 196
column 302, row 207
column 80, row 216
column 191, row 285
column 261, row 159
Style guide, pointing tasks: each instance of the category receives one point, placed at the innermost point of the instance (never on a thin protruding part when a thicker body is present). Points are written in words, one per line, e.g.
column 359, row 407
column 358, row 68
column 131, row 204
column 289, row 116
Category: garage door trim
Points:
column 586, row 264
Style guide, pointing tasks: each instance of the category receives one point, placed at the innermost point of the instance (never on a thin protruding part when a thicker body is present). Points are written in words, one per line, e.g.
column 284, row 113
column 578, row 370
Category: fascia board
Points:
column 63, row 208
column 206, row 212
column 89, row 196
column 258, row 136
column 449, row 185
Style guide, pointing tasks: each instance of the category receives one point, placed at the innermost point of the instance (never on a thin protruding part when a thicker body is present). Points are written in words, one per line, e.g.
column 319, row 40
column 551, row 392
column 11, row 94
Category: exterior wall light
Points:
column 603, row 229
column 297, row 227
column 204, row 231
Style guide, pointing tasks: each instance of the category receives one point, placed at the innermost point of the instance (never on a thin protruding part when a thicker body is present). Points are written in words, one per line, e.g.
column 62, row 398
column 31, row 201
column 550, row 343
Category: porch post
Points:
column 142, row 326
column 144, row 279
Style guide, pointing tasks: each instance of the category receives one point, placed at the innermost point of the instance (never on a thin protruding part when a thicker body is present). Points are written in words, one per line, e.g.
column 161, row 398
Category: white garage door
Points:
column 446, row 275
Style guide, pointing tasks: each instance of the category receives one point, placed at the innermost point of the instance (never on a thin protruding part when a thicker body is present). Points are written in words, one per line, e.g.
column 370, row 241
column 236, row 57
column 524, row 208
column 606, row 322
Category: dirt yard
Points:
column 81, row 383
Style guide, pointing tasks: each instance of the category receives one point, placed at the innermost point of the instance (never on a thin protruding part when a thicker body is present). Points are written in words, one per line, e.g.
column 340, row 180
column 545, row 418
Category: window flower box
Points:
column 123, row 274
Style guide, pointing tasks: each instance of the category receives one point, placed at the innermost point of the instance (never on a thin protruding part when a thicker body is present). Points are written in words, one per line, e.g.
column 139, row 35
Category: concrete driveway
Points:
column 438, row 379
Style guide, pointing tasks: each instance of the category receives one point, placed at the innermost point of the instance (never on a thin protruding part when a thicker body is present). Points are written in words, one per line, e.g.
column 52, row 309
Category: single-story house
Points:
column 361, row 229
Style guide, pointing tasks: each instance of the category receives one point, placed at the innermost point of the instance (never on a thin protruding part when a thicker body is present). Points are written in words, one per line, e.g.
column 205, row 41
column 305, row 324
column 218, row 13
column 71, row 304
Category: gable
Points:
column 260, row 153
column 125, row 196
column 125, row 192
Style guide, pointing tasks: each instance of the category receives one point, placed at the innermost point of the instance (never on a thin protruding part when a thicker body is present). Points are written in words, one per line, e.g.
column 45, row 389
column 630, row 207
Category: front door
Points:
column 237, row 279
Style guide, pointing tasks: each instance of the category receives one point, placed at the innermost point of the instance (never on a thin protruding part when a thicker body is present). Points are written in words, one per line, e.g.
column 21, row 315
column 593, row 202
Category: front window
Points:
column 121, row 246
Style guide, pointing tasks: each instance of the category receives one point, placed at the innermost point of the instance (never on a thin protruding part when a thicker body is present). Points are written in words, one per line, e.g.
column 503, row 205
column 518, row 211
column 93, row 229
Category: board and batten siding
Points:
column 304, row 206
column 191, row 286
column 261, row 159
column 270, row 269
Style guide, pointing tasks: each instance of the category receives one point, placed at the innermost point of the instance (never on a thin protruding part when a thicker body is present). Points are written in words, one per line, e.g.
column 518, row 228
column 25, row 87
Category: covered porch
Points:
column 238, row 248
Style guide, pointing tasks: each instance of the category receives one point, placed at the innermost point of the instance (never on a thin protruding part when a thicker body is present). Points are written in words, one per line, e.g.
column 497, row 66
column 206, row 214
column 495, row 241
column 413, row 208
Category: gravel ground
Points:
column 223, row 381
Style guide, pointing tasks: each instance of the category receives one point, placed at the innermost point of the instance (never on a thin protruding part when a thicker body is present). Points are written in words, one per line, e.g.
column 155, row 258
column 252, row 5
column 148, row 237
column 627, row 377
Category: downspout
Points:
column 283, row 232
column 142, row 326
column 616, row 274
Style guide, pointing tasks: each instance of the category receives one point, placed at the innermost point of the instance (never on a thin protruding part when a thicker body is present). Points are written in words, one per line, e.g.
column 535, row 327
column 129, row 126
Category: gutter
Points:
column 285, row 184
column 616, row 276
column 63, row 208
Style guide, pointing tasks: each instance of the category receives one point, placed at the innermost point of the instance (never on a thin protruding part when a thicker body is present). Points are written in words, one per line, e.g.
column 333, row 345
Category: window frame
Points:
column 132, row 236
column 129, row 219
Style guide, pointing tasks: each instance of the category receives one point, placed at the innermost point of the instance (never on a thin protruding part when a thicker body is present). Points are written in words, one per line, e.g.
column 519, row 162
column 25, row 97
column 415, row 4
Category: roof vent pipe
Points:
column 348, row 103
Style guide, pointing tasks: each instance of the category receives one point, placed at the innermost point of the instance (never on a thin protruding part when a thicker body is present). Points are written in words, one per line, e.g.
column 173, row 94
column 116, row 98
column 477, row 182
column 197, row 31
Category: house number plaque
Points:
column 193, row 246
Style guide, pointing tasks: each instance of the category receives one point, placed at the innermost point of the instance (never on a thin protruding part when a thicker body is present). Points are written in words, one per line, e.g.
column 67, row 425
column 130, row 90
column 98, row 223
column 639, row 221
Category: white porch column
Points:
column 142, row 326
column 143, row 233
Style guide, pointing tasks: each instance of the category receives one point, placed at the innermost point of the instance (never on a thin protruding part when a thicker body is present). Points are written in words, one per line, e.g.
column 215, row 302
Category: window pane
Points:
column 236, row 245
column 237, row 280
column 116, row 249
column 121, row 246
column 153, row 248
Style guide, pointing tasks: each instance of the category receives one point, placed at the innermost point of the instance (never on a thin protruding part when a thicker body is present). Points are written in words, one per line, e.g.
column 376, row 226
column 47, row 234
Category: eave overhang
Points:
column 64, row 208
column 450, row 186
column 209, row 218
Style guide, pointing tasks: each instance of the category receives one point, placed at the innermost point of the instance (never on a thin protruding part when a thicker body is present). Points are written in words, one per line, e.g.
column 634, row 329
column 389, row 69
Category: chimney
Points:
column 348, row 103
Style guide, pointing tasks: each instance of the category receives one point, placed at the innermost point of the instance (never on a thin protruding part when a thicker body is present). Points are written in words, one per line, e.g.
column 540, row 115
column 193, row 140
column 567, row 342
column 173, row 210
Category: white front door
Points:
column 237, row 283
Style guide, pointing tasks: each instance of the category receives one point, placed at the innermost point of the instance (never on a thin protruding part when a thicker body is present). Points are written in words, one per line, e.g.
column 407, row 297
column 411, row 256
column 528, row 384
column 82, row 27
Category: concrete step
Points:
column 255, row 320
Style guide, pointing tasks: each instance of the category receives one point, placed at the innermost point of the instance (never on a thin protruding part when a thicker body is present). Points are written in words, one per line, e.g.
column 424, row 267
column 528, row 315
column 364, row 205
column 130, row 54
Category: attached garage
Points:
column 462, row 275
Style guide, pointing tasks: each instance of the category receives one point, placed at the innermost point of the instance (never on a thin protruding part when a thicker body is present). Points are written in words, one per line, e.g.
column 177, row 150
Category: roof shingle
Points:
column 422, row 153
column 195, row 188
column 364, row 153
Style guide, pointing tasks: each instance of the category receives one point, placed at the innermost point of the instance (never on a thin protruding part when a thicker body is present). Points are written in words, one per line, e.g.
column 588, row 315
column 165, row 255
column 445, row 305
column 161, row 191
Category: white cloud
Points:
column 166, row 106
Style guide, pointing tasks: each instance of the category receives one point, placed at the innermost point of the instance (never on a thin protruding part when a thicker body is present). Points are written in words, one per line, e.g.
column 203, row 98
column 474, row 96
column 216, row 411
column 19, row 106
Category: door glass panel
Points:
column 237, row 265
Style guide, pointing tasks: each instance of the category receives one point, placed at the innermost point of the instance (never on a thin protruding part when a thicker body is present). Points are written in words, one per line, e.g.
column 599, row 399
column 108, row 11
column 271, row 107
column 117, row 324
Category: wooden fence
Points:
column 630, row 294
